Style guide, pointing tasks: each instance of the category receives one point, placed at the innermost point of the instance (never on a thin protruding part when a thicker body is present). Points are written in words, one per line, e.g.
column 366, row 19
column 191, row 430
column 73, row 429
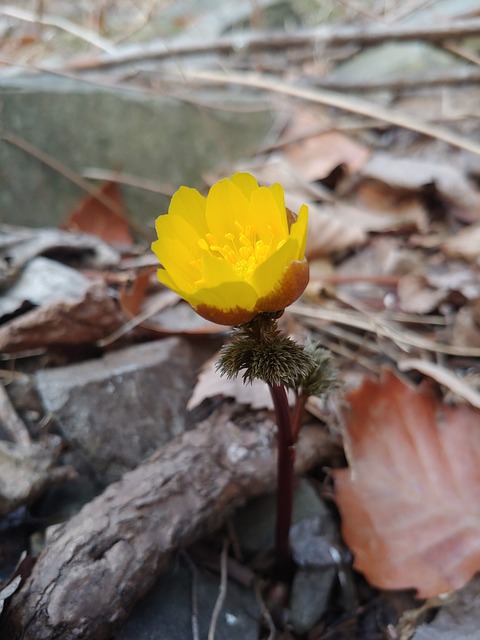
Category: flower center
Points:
column 243, row 250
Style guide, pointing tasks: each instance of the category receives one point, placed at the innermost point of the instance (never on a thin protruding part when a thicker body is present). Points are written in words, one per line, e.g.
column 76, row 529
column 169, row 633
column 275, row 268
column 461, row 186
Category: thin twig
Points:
column 168, row 300
column 194, row 572
column 60, row 23
column 444, row 377
column 374, row 323
column 401, row 11
column 264, row 611
column 222, row 593
column 120, row 177
column 462, row 52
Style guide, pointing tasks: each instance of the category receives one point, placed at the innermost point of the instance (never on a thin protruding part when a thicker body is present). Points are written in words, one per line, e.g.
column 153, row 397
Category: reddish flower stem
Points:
column 285, row 480
column 296, row 421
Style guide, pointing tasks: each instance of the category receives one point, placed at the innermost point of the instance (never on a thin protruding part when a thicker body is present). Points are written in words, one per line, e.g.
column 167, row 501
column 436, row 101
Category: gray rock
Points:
column 115, row 411
column 310, row 594
column 315, row 550
column 255, row 523
column 166, row 611
column 82, row 124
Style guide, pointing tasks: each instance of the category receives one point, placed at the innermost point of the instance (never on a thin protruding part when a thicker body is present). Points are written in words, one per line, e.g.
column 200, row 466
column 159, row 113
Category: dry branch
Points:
column 336, row 35
column 105, row 558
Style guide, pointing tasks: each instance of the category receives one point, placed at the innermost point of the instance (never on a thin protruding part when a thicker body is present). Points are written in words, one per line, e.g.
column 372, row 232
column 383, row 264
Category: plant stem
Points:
column 296, row 421
column 285, row 480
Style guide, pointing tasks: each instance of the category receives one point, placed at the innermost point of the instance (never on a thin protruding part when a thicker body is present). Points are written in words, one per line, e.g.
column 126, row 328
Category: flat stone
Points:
column 115, row 411
column 82, row 125
column 166, row 610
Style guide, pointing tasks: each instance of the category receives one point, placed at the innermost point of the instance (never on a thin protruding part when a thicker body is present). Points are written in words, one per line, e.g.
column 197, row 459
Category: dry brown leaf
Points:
column 211, row 383
column 416, row 296
column 413, row 174
column 381, row 216
column 433, row 282
column 161, row 313
column 93, row 216
column 387, row 208
column 409, row 502
column 464, row 244
column 316, row 156
column 298, row 191
column 63, row 322
column 327, row 232
column 466, row 325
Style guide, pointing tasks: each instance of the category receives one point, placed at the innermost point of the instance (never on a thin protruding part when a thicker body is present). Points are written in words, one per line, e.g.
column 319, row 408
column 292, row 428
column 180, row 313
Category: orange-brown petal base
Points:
column 291, row 287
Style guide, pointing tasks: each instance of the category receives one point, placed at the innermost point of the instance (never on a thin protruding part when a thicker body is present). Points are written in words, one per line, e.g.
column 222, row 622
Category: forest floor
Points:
column 128, row 465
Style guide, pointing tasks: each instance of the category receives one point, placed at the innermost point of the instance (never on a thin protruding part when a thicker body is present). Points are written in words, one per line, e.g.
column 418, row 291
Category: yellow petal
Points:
column 177, row 259
column 227, row 295
column 176, row 227
column 246, row 182
column 277, row 192
column 298, row 230
column 226, row 203
column 267, row 275
column 216, row 270
column 190, row 205
column 265, row 215
column 231, row 303
column 165, row 278
column 288, row 288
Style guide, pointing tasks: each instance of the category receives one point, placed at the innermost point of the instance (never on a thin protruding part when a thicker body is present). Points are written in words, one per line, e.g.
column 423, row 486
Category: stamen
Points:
column 243, row 249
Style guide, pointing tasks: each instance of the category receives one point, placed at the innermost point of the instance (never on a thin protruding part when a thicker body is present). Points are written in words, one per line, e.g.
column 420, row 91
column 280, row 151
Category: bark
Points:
column 98, row 564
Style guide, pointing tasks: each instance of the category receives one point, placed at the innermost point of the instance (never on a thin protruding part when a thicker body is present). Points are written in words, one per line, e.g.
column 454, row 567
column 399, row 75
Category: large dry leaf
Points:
column 410, row 500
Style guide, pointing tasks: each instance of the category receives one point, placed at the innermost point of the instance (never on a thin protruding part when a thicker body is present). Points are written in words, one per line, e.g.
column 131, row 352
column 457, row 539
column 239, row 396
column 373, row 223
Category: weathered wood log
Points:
column 99, row 563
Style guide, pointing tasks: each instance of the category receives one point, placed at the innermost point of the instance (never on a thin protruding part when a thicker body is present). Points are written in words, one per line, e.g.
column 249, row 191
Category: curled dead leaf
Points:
column 464, row 244
column 102, row 216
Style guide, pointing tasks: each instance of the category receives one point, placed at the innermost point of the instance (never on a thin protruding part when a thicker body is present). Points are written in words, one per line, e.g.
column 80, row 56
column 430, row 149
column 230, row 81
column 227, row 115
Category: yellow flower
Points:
column 234, row 254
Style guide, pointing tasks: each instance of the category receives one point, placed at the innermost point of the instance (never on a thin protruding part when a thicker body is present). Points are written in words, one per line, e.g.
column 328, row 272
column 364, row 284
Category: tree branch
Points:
column 247, row 43
column 98, row 564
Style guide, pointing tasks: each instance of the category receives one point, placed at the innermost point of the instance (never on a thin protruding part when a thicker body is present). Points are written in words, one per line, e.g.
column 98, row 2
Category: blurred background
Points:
column 153, row 94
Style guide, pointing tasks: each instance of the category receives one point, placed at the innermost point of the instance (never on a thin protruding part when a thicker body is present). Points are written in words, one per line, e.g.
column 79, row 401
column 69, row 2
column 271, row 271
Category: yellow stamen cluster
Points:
column 244, row 251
